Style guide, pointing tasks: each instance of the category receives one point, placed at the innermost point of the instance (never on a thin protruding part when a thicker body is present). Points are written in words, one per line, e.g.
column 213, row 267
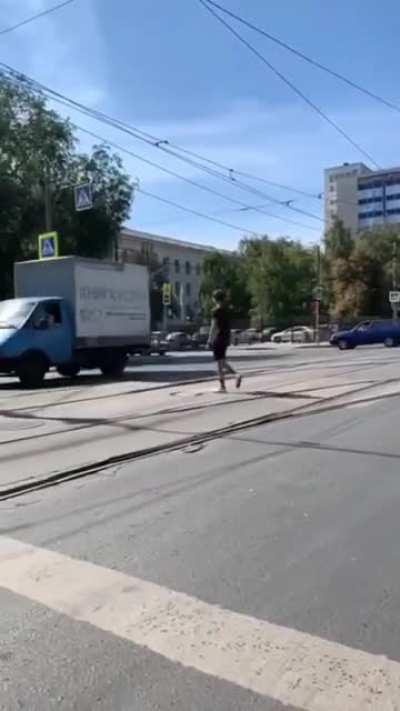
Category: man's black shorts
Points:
column 219, row 349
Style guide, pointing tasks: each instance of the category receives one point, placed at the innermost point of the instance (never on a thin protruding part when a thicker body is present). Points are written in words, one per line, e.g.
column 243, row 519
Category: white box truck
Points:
column 74, row 313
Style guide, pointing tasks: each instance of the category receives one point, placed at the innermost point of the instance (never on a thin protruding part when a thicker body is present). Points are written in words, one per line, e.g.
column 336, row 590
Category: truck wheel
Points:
column 31, row 372
column 114, row 367
column 69, row 371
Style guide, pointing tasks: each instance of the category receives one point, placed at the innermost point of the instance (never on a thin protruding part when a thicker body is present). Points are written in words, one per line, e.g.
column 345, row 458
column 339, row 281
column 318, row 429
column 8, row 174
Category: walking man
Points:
column 219, row 339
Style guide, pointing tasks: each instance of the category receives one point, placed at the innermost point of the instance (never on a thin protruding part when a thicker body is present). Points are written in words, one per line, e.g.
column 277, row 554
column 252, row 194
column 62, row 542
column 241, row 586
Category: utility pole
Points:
column 395, row 306
column 48, row 212
column 317, row 296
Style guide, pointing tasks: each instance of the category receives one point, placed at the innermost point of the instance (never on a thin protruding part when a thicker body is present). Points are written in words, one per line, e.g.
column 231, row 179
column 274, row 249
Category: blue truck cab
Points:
column 35, row 333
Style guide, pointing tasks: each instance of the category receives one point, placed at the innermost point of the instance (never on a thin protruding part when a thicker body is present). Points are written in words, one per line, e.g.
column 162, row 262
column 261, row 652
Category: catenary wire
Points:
column 166, row 201
column 65, row 101
column 288, row 82
column 310, row 60
column 38, row 16
column 243, row 206
column 163, row 145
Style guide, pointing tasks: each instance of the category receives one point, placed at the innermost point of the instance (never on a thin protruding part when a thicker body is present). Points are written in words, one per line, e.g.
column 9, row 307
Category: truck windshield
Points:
column 13, row 313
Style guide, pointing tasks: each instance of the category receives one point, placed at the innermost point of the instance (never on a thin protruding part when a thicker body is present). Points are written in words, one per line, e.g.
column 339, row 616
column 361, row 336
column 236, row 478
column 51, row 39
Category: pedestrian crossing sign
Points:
column 48, row 245
column 83, row 197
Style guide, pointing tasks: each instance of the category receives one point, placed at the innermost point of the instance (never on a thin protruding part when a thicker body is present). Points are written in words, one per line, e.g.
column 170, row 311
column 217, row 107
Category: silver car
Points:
column 297, row 334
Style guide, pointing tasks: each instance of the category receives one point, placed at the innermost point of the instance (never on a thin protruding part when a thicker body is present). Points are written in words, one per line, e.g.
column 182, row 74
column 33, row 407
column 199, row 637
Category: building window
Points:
column 394, row 196
column 371, row 213
column 371, row 186
column 369, row 201
column 188, row 268
column 198, row 269
column 332, row 187
column 188, row 289
column 392, row 181
column 394, row 211
column 178, row 290
column 177, row 266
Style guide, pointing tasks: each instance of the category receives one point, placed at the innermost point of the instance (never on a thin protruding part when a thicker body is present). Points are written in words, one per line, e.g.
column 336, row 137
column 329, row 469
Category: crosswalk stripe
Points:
column 284, row 664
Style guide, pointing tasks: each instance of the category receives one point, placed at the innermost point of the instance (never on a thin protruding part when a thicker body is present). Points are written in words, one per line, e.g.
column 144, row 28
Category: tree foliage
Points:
column 38, row 147
column 359, row 271
column 269, row 280
column 227, row 272
column 281, row 277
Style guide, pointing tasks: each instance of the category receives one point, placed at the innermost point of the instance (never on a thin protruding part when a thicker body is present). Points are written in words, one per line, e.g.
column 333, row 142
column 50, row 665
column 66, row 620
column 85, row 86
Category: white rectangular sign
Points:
column 111, row 302
column 394, row 297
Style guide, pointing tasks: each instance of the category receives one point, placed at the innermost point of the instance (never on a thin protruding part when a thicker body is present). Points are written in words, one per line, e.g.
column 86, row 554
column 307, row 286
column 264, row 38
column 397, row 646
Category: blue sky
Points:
column 167, row 67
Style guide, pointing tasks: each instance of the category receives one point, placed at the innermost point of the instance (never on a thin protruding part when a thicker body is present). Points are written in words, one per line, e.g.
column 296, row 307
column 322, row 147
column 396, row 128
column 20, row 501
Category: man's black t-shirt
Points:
column 222, row 322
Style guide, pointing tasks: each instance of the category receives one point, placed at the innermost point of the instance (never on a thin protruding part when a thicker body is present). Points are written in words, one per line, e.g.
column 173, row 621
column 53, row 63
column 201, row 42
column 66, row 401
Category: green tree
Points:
column 38, row 152
column 361, row 279
column 95, row 232
column 227, row 272
column 281, row 276
column 339, row 242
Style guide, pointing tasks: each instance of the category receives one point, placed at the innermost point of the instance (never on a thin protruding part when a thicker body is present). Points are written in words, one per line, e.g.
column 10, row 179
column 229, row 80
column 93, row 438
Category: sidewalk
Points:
column 276, row 346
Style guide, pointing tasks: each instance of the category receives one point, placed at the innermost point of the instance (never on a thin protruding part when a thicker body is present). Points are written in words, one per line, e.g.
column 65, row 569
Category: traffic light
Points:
column 167, row 294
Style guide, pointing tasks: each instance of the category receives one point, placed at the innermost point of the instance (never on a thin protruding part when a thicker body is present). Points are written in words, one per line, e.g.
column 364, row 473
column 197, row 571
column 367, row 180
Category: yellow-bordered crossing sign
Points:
column 48, row 245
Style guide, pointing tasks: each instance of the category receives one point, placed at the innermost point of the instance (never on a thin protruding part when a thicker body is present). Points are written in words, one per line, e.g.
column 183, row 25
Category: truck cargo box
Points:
column 109, row 301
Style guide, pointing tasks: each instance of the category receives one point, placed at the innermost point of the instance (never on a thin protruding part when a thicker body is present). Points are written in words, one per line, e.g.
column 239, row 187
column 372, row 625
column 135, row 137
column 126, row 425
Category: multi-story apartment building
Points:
column 362, row 198
column 180, row 264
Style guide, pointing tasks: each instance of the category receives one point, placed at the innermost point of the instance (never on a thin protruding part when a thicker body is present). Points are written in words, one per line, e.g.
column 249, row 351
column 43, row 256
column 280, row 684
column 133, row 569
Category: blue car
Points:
column 368, row 333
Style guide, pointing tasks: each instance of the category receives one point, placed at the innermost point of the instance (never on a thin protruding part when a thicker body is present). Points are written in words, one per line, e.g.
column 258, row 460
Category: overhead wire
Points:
column 216, row 213
column 163, row 145
column 305, row 57
column 197, row 213
column 243, row 206
column 125, row 128
column 179, row 206
column 251, row 176
column 207, row 6
column 37, row 16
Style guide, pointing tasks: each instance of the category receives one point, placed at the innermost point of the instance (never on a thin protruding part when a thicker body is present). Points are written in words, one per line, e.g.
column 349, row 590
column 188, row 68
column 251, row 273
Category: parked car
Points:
column 158, row 343
column 200, row 338
column 267, row 333
column 368, row 333
column 179, row 341
column 297, row 334
column 250, row 335
column 235, row 336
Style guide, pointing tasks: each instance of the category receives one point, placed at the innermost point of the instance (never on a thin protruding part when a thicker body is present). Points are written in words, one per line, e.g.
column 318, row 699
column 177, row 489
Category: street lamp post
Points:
column 395, row 305
column 317, row 297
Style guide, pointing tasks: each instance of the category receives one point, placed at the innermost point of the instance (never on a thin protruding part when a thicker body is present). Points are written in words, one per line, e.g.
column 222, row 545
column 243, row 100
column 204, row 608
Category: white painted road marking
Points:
column 284, row 664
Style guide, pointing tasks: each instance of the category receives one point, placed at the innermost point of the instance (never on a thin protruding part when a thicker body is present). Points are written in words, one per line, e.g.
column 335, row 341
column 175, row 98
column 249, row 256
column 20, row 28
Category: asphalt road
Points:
column 293, row 525
column 187, row 365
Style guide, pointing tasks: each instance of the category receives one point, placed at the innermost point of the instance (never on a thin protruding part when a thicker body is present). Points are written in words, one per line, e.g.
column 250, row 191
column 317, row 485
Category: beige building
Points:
column 362, row 198
column 181, row 265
